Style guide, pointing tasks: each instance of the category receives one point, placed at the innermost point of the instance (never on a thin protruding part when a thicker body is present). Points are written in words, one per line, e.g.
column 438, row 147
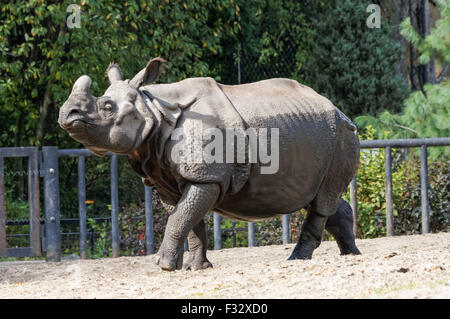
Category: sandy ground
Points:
column 397, row 267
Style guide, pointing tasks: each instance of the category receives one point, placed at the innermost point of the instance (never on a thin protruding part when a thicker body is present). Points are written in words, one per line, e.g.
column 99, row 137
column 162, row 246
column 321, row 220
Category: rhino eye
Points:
column 107, row 107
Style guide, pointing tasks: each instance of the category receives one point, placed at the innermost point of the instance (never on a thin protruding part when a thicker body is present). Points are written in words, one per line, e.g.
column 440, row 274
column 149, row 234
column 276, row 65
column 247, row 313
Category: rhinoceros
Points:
column 316, row 144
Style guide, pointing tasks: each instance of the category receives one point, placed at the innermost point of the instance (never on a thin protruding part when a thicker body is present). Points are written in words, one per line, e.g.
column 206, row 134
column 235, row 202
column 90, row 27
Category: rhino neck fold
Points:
column 150, row 151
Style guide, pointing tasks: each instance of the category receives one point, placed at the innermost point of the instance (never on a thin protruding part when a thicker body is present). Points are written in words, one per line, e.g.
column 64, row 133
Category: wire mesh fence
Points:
column 247, row 67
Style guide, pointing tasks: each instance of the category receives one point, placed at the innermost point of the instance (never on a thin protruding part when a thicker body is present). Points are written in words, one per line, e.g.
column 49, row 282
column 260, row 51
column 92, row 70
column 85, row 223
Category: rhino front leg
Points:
column 196, row 201
column 170, row 209
column 198, row 244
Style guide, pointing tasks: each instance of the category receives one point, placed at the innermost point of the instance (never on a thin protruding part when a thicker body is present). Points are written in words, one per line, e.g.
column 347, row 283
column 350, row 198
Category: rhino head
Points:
column 119, row 121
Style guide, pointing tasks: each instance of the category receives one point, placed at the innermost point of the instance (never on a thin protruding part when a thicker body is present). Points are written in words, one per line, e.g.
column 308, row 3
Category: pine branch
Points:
column 442, row 74
column 407, row 128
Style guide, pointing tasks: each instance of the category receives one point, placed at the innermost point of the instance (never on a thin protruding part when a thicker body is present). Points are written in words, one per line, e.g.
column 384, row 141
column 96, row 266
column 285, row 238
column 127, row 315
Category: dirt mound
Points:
column 397, row 267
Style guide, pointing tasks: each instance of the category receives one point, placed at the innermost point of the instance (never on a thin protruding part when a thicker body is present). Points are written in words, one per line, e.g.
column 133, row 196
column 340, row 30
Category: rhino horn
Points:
column 82, row 85
column 114, row 73
column 150, row 73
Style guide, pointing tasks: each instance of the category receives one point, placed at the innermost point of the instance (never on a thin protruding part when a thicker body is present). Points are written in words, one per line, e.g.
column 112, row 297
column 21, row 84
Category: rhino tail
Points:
column 342, row 119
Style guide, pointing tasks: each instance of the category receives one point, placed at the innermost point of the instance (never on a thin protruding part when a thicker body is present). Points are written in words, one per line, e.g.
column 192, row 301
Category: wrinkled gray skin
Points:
column 319, row 154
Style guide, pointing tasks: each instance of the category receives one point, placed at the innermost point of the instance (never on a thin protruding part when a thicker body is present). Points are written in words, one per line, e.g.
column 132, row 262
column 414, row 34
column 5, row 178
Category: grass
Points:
column 21, row 258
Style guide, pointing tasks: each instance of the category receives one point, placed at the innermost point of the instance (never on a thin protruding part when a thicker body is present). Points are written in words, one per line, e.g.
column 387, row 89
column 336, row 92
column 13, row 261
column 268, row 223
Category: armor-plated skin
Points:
column 318, row 153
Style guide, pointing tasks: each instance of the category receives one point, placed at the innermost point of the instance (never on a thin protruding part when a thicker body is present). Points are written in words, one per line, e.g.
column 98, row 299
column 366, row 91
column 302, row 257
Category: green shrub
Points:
column 409, row 218
column 371, row 188
column 103, row 243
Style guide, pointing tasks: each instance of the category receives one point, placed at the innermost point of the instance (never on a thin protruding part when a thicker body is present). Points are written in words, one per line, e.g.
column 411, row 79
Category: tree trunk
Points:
column 44, row 112
column 428, row 75
column 411, row 49
column 400, row 15
column 18, row 162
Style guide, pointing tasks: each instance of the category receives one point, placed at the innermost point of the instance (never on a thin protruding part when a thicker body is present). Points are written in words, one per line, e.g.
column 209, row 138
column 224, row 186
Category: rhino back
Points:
column 280, row 102
column 307, row 138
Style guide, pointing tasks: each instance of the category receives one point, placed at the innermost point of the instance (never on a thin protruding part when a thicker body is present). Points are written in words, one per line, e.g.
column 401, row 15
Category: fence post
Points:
column 51, row 200
column 233, row 227
column 33, row 200
column 82, row 206
column 389, row 199
column 285, row 221
column 251, row 234
column 115, row 207
column 3, row 246
column 424, row 189
column 354, row 203
column 217, row 232
column 149, row 235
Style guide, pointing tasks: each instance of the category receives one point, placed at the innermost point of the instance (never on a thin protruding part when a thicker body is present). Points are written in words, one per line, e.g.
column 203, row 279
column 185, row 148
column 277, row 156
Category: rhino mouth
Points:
column 76, row 122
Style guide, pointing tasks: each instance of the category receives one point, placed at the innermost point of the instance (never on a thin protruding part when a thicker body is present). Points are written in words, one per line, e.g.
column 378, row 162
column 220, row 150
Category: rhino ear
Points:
column 113, row 72
column 150, row 73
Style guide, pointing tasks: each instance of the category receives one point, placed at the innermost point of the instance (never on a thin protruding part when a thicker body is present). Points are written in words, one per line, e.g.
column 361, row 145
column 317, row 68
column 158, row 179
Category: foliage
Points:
column 352, row 64
column 406, row 192
column 409, row 217
column 132, row 230
column 436, row 45
column 371, row 189
column 425, row 114
column 227, row 236
column 103, row 243
column 281, row 36
column 16, row 210
column 132, row 226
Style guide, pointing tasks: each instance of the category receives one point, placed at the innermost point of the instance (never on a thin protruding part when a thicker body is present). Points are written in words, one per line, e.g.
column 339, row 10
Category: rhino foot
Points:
column 167, row 262
column 349, row 251
column 303, row 250
column 197, row 265
column 196, row 261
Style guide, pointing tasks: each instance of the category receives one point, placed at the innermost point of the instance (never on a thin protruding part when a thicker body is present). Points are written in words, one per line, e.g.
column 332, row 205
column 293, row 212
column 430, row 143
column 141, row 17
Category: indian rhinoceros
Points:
column 316, row 144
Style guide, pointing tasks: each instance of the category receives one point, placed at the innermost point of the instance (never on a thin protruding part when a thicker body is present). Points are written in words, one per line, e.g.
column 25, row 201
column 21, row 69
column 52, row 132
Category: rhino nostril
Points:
column 73, row 112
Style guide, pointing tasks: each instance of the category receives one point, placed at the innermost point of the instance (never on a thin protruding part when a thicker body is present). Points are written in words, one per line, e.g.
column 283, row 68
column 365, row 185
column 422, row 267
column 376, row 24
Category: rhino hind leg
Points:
column 310, row 234
column 198, row 244
column 328, row 200
column 324, row 205
column 340, row 225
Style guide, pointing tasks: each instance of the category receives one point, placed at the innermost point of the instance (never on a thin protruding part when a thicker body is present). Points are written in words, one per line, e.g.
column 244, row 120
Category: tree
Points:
column 354, row 65
column 284, row 40
column 426, row 113
column 275, row 40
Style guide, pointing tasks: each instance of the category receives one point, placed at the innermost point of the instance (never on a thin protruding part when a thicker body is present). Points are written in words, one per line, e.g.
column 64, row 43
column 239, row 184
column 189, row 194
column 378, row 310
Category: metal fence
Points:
column 33, row 202
column 51, row 195
column 48, row 168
